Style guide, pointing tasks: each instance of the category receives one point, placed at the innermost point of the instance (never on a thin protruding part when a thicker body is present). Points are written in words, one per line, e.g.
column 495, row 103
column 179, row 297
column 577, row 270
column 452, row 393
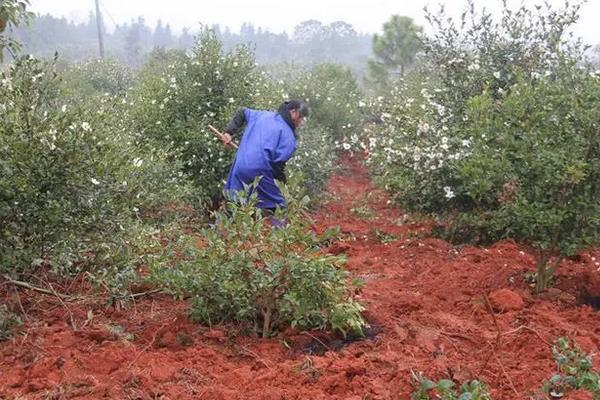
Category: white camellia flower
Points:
column 138, row 162
column 86, row 126
column 94, row 181
column 449, row 193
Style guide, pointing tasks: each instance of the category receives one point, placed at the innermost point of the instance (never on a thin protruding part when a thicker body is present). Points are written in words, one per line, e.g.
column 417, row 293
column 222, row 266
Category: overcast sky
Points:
column 283, row 15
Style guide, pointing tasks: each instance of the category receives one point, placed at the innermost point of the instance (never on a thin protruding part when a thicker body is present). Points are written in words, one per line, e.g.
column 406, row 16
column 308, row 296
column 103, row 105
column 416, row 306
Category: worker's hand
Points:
column 226, row 138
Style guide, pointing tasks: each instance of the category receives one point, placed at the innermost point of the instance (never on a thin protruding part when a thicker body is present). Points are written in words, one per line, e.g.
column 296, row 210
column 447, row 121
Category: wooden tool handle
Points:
column 222, row 137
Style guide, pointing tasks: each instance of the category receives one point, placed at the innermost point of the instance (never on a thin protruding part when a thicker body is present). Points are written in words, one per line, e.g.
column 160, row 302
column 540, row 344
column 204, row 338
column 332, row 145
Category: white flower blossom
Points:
column 449, row 193
column 423, row 127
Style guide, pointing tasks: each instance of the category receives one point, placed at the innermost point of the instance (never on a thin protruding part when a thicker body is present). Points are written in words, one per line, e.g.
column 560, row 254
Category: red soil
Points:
column 431, row 303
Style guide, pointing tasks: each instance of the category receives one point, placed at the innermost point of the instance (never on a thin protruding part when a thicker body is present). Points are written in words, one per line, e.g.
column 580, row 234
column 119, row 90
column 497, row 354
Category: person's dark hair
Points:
column 289, row 105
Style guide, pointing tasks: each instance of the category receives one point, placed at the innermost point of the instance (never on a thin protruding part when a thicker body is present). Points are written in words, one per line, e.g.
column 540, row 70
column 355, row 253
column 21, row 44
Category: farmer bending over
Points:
column 268, row 142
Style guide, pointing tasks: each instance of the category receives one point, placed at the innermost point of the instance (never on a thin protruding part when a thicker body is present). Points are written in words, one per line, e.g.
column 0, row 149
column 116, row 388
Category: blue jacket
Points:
column 267, row 142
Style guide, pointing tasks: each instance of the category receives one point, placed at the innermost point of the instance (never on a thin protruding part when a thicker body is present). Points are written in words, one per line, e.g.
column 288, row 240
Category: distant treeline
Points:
column 311, row 41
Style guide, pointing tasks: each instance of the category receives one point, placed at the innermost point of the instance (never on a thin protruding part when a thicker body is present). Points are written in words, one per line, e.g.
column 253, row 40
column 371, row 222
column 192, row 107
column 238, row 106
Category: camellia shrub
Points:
column 315, row 158
column 481, row 52
column 178, row 96
column 96, row 77
column 247, row 271
column 72, row 184
column 173, row 108
column 534, row 169
column 333, row 95
column 497, row 138
column 410, row 145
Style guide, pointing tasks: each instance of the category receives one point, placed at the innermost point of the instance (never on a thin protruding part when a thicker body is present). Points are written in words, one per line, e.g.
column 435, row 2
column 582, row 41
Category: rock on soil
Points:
column 503, row 300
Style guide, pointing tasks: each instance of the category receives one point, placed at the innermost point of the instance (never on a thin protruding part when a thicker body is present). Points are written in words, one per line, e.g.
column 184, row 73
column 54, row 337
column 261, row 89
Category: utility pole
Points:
column 99, row 24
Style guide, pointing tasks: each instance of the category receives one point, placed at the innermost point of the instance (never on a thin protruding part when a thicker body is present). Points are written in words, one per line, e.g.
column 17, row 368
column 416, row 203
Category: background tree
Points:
column 137, row 41
column 395, row 49
column 131, row 43
column 162, row 36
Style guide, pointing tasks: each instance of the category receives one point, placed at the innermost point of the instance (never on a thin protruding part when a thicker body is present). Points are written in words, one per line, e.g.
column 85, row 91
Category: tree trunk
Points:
column 543, row 273
column 266, row 322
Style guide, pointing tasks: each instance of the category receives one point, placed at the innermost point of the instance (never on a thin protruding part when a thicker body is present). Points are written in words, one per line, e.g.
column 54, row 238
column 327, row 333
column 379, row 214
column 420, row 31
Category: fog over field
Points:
column 304, row 32
column 280, row 16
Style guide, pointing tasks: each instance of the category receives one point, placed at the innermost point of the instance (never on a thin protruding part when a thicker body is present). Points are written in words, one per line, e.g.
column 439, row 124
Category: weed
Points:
column 363, row 211
column 574, row 371
column 445, row 389
column 8, row 321
column 307, row 367
column 385, row 237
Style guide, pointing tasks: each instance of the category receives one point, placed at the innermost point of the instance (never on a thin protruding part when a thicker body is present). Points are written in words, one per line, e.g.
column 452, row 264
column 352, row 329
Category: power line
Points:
column 105, row 9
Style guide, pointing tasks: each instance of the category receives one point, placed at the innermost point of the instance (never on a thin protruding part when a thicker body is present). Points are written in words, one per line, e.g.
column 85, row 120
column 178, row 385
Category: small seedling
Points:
column 445, row 389
column 385, row 237
column 574, row 371
column 307, row 367
column 8, row 321
column 363, row 211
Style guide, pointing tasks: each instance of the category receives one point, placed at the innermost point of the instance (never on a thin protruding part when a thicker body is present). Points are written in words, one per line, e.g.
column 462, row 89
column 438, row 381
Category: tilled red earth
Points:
column 429, row 303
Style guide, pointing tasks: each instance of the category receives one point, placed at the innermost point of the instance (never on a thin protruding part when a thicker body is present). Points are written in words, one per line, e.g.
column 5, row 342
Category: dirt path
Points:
column 427, row 301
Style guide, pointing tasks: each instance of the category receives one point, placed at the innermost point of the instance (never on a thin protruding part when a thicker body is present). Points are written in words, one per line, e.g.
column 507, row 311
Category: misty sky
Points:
column 283, row 15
